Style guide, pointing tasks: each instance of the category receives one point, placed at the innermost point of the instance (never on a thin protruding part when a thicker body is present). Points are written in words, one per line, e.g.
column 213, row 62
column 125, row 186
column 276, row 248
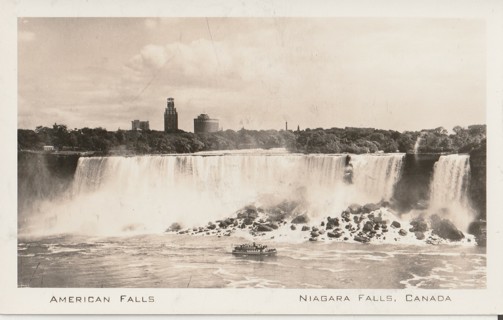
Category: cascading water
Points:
column 376, row 176
column 448, row 189
column 418, row 143
column 147, row 193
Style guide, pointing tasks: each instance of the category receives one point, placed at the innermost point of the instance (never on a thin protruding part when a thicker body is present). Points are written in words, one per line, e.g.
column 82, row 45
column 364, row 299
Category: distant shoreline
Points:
column 99, row 141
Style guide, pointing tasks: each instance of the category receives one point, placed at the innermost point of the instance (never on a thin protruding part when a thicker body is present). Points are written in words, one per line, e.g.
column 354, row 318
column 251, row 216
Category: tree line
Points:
column 334, row 140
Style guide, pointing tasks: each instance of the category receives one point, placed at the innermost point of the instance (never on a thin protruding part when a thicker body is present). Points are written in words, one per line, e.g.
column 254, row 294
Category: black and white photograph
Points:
column 251, row 152
column 326, row 153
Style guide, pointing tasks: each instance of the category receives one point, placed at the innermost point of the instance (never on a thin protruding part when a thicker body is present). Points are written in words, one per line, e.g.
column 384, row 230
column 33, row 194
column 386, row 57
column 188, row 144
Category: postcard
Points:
column 259, row 158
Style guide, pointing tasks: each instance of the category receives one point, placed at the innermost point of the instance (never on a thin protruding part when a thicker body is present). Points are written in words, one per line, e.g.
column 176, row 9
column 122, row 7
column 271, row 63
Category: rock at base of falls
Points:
column 445, row 229
column 479, row 230
column 300, row 219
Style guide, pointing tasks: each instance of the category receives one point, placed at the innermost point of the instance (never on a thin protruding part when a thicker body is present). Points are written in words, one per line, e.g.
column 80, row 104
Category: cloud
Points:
column 26, row 36
column 154, row 57
column 204, row 63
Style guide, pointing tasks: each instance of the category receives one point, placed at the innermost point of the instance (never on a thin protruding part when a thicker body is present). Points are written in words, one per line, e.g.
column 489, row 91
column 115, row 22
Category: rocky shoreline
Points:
column 369, row 223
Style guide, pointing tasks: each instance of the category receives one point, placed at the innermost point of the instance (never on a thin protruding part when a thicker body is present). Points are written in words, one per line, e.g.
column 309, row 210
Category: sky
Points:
column 257, row 73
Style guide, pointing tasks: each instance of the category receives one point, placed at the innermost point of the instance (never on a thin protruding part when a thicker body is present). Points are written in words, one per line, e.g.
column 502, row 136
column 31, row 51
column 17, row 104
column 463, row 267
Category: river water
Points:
column 181, row 261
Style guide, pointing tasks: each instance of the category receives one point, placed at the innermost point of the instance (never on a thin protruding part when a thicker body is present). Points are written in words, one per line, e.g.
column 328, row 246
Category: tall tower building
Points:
column 170, row 117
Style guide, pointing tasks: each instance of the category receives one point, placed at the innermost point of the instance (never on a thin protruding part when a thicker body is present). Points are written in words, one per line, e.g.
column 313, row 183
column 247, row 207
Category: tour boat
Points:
column 253, row 249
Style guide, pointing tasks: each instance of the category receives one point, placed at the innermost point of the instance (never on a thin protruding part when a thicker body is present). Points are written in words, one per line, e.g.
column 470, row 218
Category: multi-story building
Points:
column 170, row 117
column 140, row 125
column 203, row 124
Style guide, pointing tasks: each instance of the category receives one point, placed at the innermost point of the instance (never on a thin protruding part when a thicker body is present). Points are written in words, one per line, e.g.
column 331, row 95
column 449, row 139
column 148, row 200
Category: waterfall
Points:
column 376, row 176
column 418, row 143
column 148, row 193
column 448, row 189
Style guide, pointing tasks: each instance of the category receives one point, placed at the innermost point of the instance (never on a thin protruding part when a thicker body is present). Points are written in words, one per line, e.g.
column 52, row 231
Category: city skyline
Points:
column 256, row 73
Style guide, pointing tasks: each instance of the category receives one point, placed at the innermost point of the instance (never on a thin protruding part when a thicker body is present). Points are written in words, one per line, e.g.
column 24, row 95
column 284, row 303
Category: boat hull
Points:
column 255, row 254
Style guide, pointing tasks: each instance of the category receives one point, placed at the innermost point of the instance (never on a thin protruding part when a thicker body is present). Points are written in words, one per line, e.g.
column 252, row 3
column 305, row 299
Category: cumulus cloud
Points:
column 154, row 57
column 202, row 63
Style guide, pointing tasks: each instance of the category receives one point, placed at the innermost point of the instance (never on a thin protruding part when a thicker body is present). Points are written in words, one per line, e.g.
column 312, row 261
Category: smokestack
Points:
column 286, row 125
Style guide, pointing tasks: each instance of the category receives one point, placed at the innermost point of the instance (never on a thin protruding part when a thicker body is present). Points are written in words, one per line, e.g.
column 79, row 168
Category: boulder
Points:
column 419, row 235
column 313, row 239
column 402, row 232
column 479, row 230
column 345, row 215
column 370, row 207
column 396, row 224
column 248, row 221
column 332, row 221
column 355, row 208
column 361, row 239
column 433, row 240
column 334, row 234
column 378, row 219
column 264, row 228
column 356, row 219
column 329, row 226
column 444, row 228
column 273, row 225
column 322, row 223
column 305, row 228
column 292, row 227
column 300, row 219
column 368, row 226
column 174, row 227
column 314, row 234
column 212, row 226
column 248, row 212
column 418, row 224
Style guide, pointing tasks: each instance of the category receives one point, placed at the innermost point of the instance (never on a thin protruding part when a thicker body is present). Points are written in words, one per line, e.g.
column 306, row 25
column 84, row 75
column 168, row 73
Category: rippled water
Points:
column 180, row 261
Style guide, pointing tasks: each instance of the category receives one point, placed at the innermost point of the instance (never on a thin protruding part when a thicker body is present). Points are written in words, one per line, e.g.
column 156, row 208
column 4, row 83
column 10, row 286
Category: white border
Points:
column 247, row 301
